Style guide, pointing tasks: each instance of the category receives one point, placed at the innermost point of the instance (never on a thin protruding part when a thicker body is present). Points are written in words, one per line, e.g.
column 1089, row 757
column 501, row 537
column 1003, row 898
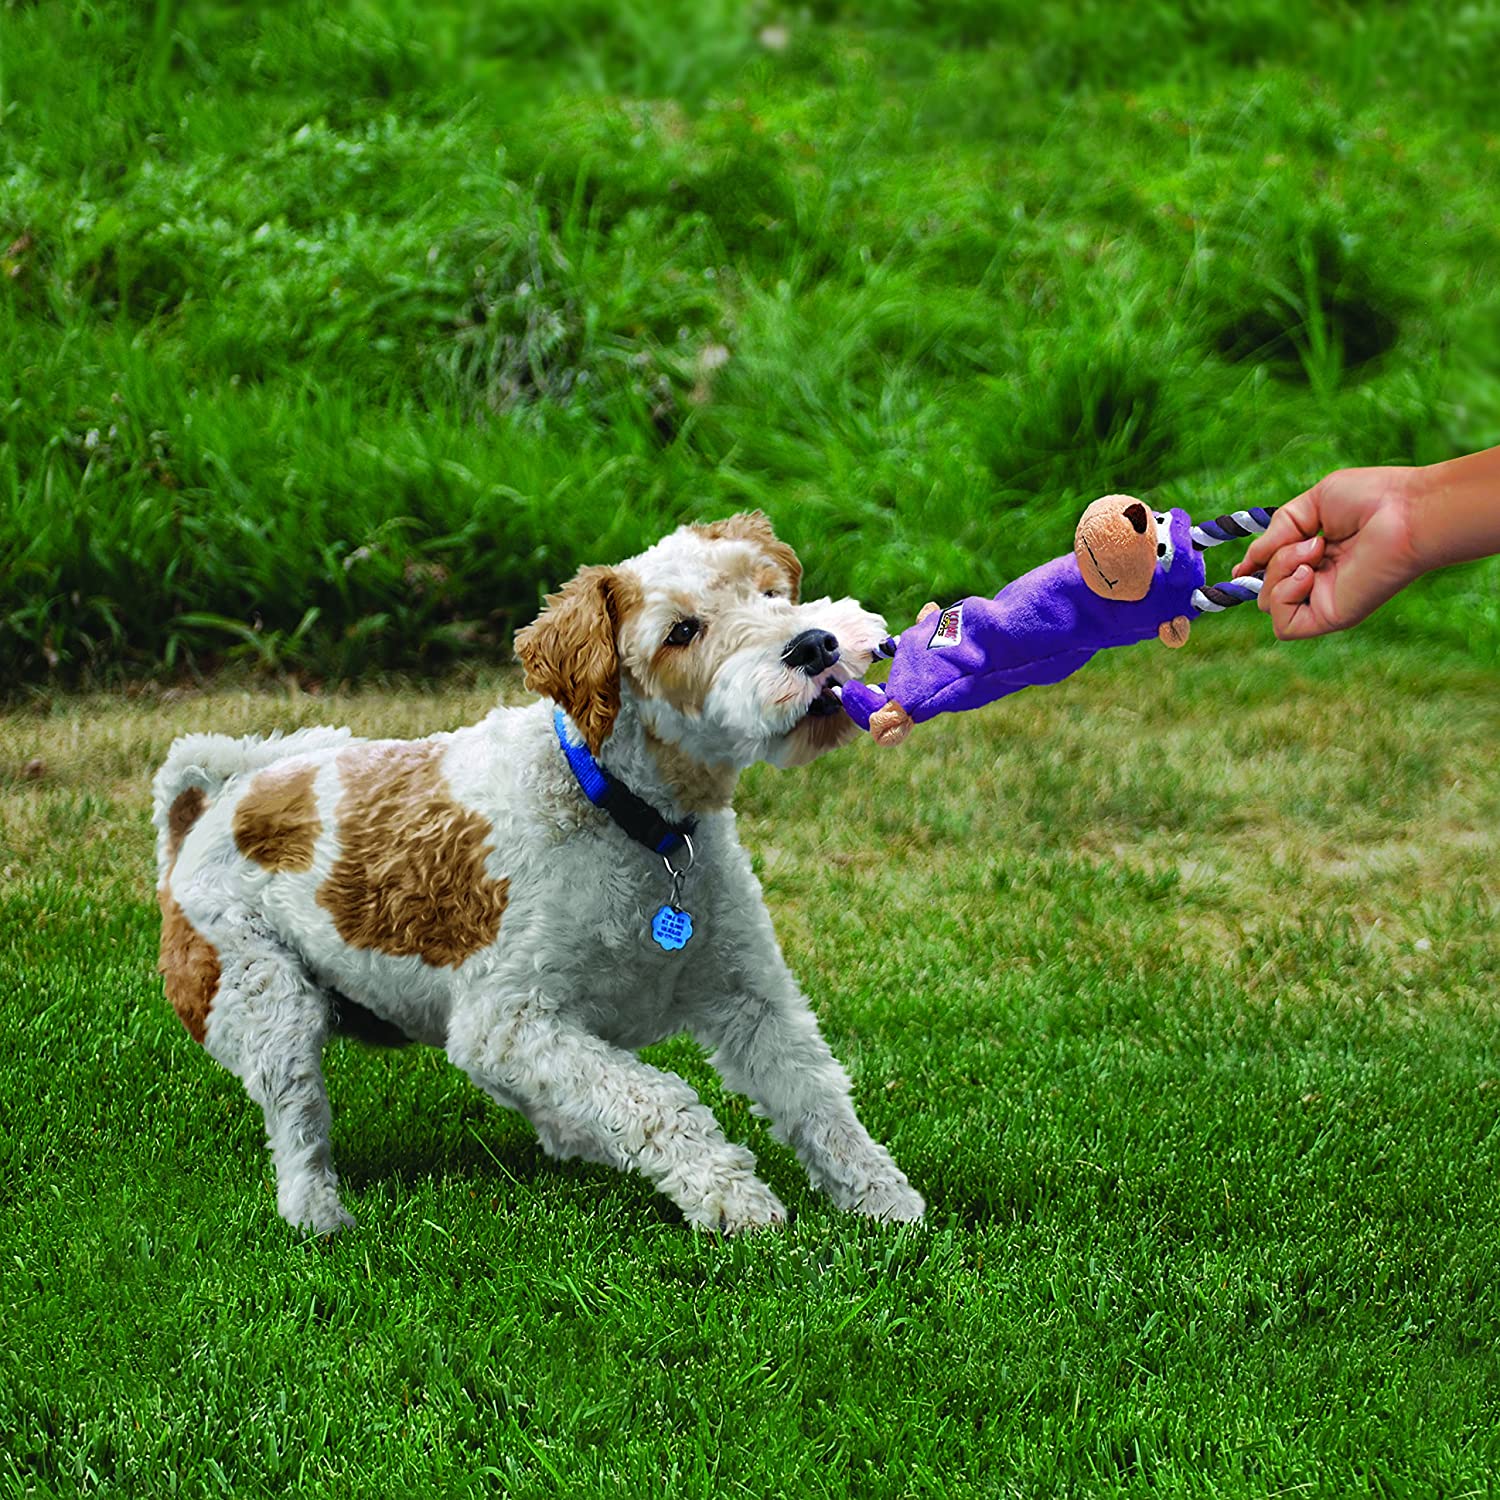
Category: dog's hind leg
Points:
column 591, row 1099
column 267, row 1026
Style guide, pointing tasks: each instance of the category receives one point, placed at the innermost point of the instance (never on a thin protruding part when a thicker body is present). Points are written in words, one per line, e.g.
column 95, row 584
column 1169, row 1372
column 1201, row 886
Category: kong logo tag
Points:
column 950, row 628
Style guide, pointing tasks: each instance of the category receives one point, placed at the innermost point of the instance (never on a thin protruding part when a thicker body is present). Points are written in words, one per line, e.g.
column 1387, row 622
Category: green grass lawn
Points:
column 1173, row 988
column 333, row 334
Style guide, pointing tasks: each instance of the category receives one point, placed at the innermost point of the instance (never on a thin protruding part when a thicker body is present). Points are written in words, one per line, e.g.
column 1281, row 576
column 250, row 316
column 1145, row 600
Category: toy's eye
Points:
column 1165, row 551
column 683, row 632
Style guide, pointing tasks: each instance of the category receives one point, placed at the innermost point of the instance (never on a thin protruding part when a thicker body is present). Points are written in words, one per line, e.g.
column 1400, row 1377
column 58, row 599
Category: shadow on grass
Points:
column 492, row 1155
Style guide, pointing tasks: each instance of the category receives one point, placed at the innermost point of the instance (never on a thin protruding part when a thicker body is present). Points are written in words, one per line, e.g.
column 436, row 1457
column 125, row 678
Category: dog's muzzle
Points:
column 812, row 652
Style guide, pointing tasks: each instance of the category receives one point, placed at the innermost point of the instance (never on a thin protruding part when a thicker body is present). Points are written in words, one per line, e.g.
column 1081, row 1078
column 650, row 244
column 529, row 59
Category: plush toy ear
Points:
column 571, row 652
column 1116, row 547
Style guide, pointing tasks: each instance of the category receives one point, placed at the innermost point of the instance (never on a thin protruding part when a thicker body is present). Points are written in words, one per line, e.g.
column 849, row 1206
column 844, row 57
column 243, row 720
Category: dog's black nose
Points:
column 811, row 652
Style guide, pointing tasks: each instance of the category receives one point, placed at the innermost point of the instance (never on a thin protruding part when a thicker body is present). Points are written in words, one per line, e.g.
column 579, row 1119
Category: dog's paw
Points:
column 892, row 1201
column 318, row 1211
column 739, row 1206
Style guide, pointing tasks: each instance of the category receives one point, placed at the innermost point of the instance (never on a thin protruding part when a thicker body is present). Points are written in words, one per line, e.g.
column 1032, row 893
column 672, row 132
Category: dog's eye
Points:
column 1161, row 549
column 774, row 594
column 682, row 632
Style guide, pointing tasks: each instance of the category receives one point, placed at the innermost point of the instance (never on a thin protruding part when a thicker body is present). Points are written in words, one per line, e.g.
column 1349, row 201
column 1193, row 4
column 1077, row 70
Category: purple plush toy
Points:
column 1133, row 573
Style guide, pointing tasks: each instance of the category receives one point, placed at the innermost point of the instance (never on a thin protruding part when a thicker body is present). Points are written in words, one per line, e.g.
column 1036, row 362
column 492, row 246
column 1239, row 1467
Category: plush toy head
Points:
column 1117, row 547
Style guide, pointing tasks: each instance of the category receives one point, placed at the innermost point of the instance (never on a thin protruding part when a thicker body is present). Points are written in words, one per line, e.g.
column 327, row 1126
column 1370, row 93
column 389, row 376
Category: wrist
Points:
column 1453, row 509
column 1408, row 527
column 1422, row 487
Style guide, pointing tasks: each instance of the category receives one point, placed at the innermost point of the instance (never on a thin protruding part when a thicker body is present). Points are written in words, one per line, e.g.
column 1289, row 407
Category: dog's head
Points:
column 704, row 637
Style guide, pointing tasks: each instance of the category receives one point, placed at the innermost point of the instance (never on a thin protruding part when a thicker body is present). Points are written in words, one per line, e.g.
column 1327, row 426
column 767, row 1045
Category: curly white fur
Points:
column 547, row 1017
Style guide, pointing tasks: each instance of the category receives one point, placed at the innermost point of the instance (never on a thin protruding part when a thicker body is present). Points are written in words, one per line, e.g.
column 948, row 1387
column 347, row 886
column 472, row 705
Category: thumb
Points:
column 1294, row 522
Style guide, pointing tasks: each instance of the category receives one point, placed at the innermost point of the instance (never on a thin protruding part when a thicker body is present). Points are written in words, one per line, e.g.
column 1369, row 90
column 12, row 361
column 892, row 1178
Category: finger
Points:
column 1302, row 624
column 1307, row 553
column 1289, row 603
column 1295, row 520
column 1293, row 589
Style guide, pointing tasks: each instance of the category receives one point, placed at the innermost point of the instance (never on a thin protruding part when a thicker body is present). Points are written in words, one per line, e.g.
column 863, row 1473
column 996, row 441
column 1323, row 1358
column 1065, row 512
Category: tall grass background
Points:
column 335, row 334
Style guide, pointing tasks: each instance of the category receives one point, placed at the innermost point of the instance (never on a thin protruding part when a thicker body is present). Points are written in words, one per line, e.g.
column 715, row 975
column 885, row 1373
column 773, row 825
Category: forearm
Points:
column 1455, row 510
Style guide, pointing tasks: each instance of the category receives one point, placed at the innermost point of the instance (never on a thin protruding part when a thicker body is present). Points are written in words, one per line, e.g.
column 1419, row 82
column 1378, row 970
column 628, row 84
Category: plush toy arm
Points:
column 862, row 701
column 872, row 708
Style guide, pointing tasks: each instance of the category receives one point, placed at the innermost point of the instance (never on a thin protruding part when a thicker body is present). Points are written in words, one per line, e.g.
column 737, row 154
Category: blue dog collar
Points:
column 636, row 816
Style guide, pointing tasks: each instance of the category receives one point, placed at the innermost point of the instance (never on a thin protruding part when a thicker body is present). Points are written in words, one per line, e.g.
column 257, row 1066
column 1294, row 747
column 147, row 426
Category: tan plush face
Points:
column 696, row 632
column 1116, row 547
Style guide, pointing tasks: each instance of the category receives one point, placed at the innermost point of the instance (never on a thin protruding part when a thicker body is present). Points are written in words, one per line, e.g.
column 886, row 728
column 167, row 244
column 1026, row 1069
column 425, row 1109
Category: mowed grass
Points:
column 1172, row 988
column 334, row 335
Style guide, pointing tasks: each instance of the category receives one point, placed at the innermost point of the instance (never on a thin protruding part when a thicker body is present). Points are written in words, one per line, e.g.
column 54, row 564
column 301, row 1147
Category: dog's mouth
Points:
column 824, row 705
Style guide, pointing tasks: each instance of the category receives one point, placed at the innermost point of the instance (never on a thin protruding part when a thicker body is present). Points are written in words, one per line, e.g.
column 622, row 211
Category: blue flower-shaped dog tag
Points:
column 671, row 927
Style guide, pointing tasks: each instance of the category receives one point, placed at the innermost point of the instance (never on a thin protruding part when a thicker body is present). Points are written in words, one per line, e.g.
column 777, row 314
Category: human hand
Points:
column 1337, row 552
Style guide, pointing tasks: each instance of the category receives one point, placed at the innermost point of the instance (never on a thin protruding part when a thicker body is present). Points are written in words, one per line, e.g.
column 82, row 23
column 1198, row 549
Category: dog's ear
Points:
column 755, row 526
column 571, row 652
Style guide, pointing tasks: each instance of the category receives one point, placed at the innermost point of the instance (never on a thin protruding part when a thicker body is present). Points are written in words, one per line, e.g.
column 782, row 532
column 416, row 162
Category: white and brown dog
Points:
column 467, row 891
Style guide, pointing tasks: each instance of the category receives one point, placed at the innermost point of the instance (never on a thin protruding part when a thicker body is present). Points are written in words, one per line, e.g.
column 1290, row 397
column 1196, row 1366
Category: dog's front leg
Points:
column 768, row 1047
column 599, row 1101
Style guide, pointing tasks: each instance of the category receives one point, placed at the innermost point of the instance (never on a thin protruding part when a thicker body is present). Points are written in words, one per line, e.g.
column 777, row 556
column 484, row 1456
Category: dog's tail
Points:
column 197, row 768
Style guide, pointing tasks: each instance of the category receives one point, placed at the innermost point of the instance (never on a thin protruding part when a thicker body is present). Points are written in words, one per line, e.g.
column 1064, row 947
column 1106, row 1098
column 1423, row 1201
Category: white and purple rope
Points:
column 1234, row 527
column 1215, row 598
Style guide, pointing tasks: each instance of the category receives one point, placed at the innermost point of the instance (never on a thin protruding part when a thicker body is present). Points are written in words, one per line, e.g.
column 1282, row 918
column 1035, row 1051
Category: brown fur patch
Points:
column 410, row 878
column 571, row 652
column 698, row 788
column 276, row 822
column 189, row 967
column 186, row 809
column 755, row 526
